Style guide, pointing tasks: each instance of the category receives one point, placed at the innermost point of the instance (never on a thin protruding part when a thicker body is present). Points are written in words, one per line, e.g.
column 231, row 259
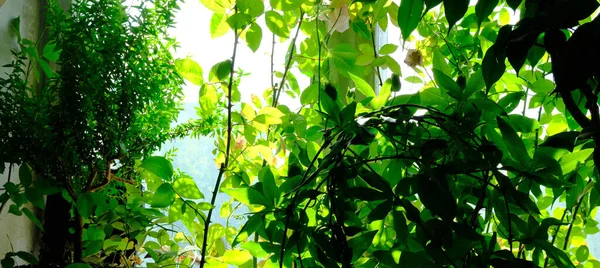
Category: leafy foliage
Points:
column 482, row 166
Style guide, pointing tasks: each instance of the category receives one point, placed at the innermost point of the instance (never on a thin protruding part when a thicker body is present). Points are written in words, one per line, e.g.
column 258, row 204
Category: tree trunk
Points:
column 55, row 250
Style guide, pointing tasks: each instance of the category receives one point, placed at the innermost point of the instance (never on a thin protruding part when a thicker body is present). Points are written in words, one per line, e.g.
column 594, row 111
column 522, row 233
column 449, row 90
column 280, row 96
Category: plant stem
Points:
column 288, row 64
column 224, row 165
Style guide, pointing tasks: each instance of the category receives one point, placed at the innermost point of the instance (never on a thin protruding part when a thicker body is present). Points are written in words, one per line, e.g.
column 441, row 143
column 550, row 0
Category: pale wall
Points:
column 16, row 233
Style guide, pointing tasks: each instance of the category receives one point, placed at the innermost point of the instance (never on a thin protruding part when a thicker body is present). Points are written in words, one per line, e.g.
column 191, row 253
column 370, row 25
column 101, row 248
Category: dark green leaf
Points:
column 367, row 194
column 514, row 4
column 493, row 67
column 400, row 227
column 437, row 198
column 347, row 114
column 429, row 4
column 270, row 189
column 561, row 258
column 25, row 176
column 78, row 265
column 513, row 142
column 248, row 196
column 359, row 244
column 563, row 140
column 28, row 257
column 446, row 83
column 7, row 262
column 411, row 260
column 249, row 227
column 511, row 101
column 33, row 218
column 484, row 8
column 409, row 15
column 35, row 197
column 164, row 196
column 455, row 10
column 380, row 211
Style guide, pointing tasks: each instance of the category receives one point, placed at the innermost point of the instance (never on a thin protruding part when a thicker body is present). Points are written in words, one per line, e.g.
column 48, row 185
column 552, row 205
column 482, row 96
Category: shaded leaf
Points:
column 514, row 143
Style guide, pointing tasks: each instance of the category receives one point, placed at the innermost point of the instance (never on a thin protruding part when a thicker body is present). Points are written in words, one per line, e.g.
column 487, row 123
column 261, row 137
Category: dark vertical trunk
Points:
column 55, row 250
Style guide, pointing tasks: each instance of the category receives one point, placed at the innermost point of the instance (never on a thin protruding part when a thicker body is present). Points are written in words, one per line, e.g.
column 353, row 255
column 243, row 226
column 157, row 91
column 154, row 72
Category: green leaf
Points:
column 25, row 176
column 50, row 52
column 542, row 86
column 190, row 70
column 254, row 36
column 270, row 189
column 411, row 259
column 380, row 211
column 248, row 196
column 361, row 28
column 239, row 20
column 276, row 24
column 33, row 218
column 439, row 62
column 208, row 99
column 164, row 196
column 511, row 101
column 385, row 91
column 563, row 140
column 159, row 166
column 7, row 262
column 251, row 225
column 285, row 5
column 560, row 258
column 388, row 49
column 218, row 25
column 400, row 227
column 493, row 67
column 414, row 79
column 429, row 4
column 218, row 6
column 187, row 188
column 484, row 8
column 582, row 253
column 362, row 86
column 445, row 82
column 455, row 10
column 437, row 198
column 35, row 197
column 237, row 257
column 220, row 71
column 78, row 265
column 269, row 116
column 365, row 193
column 28, row 257
column 514, row 4
column 514, row 143
column 255, row 249
column 569, row 162
column 253, row 8
column 359, row 244
column 409, row 15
